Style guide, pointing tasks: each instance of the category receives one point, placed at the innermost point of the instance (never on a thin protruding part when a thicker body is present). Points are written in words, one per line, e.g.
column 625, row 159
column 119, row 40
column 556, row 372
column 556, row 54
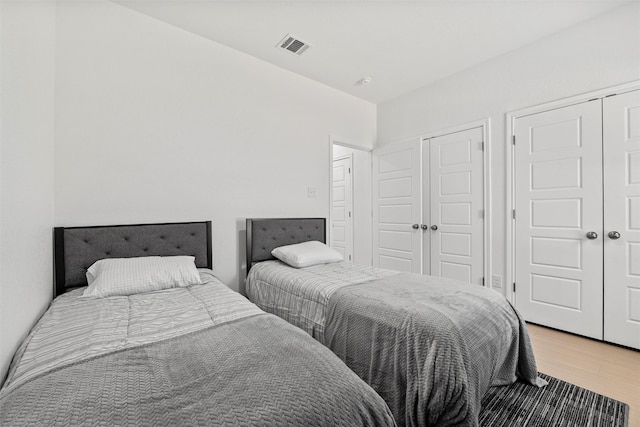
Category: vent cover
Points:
column 292, row 44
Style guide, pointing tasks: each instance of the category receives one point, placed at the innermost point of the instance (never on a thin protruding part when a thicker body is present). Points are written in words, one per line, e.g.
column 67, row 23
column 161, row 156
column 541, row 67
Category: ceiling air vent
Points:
column 292, row 44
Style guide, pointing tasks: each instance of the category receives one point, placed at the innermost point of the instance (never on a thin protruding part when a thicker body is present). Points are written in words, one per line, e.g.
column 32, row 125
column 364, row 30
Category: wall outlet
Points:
column 496, row 281
column 312, row 192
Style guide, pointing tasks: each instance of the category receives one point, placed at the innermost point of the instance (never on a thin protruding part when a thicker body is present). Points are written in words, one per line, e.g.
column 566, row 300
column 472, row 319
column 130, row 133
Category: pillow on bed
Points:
column 128, row 276
column 306, row 254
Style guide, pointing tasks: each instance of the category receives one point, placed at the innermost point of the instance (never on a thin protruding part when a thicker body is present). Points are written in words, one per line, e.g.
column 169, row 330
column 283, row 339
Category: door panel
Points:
column 396, row 207
column 558, row 199
column 341, row 208
column 621, row 114
column 456, row 204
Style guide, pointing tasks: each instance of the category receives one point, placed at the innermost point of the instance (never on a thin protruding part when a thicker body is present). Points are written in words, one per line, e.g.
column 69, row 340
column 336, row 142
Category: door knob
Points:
column 591, row 235
column 434, row 227
column 415, row 226
column 614, row 235
column 424, row 226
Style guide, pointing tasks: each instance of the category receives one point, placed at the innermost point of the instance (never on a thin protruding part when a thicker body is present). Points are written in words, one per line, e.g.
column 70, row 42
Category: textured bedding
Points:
column 300, row 296
column 201, row 355
column 76, row 327
column 431, row 347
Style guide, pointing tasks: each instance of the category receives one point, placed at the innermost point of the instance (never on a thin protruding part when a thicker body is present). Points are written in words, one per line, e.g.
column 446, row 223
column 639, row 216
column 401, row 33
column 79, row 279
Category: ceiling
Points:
column 400, row 45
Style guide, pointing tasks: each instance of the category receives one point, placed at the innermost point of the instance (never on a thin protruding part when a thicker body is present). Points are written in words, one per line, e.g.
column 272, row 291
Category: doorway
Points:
column 350, row 220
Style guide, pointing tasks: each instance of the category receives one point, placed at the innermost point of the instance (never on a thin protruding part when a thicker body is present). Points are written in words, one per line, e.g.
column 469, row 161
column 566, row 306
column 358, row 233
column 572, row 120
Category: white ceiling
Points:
column 401, row 45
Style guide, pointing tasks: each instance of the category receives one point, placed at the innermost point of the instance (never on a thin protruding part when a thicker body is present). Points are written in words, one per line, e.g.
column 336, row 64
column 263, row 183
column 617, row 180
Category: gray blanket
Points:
column 431, row 347
column 257, row 371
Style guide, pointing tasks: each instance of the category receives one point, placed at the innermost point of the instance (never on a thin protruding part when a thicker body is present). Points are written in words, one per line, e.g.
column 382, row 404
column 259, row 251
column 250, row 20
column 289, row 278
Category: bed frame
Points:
column 266, row 234
column 77, row 248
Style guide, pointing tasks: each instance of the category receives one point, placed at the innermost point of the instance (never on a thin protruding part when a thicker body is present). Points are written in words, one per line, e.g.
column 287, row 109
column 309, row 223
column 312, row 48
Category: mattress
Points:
column 430, row 346
column 201, row 355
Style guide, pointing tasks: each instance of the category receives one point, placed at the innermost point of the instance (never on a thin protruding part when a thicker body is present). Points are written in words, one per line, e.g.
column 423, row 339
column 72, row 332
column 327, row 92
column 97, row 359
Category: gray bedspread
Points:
column 255, row 371
column 431, row 347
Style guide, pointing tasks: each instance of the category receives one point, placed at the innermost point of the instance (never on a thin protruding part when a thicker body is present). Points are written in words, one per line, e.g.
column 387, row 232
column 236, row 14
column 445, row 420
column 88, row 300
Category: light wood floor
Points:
column 606, row 369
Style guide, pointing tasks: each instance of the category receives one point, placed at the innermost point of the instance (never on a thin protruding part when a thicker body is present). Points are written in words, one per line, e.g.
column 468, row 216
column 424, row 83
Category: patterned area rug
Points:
column 557, row 404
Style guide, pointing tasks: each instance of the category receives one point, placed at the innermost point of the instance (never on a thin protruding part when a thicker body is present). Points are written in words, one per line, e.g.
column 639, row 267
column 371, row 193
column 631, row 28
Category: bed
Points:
column 431, row 347
column 197, row 354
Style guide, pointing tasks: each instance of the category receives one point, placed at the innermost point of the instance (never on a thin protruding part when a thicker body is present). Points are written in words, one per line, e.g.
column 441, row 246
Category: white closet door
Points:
column 457, row 230
column 621, row 115
column 342, row 208
column 396, row 207
column 558, row 201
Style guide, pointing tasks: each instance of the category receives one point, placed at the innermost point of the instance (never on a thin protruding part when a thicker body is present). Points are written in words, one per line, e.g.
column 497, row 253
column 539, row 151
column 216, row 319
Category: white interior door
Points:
column 342, row 208
column 621, row 114
column 396, row 207
column 558, row 204
column 456, row 230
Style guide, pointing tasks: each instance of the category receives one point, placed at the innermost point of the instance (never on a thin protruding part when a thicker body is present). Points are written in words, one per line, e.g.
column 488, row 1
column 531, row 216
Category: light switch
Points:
column 311, row 192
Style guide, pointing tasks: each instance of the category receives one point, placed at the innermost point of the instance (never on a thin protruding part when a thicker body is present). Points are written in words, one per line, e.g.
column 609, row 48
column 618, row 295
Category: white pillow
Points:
column 306, row 254
column 128, row 276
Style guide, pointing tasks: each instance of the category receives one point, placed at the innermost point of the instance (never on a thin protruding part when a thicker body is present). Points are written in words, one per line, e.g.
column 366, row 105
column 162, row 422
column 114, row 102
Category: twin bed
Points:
column 348, row 345
column 187, row 355
column 431, row 347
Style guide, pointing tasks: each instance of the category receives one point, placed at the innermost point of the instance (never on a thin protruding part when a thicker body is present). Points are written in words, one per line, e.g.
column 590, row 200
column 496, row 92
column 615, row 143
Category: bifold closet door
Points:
column 559, row 218
column 621, row 114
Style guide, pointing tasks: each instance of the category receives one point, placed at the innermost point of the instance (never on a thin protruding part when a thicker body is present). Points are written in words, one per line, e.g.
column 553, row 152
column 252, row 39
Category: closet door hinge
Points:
column 482, row 145
column 513, row 139
column 349, row 170
column 483, row 281
column 513, row 213
column 514, row 287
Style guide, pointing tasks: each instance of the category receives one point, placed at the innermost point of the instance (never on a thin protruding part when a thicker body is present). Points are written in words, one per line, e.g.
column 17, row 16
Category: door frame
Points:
column 511, row 117
column 485, row 124
column 333, row 140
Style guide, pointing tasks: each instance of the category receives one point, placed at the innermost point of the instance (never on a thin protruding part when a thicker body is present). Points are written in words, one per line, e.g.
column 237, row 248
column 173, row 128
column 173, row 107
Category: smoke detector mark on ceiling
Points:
column 293, row 44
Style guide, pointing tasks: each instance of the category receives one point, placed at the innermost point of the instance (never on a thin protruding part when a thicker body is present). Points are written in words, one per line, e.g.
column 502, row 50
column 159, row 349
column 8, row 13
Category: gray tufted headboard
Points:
column 76, row 248
column 266, row 234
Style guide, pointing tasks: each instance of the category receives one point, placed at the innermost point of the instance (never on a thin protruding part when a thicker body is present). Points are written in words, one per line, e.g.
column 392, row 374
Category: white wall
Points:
column 27, row 37
column 362, row 220
column 157, row 124
column 599, row 53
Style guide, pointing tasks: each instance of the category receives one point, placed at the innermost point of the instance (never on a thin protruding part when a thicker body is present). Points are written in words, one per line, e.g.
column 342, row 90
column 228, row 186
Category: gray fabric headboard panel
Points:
column 76, row 248
column 266, row 234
